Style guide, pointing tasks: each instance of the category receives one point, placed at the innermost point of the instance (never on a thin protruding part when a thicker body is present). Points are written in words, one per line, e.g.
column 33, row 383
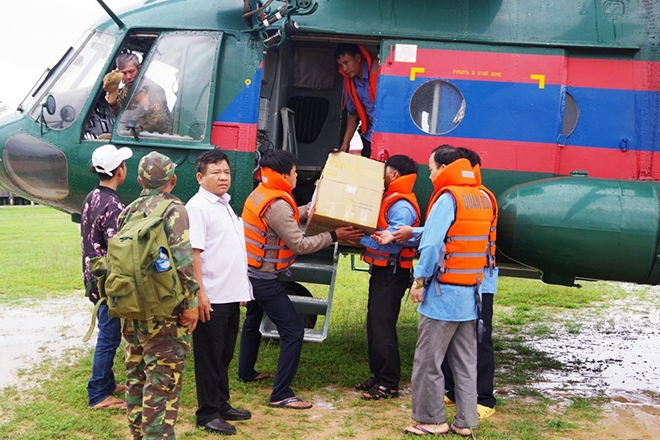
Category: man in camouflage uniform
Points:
column 156, row 350
column 149, row 104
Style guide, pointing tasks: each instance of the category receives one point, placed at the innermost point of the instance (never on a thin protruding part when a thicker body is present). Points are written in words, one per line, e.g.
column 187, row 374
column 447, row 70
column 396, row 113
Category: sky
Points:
column 34, row 34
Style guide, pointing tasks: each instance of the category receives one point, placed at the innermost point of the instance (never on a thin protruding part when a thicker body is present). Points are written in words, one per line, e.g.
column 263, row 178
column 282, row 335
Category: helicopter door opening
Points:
column 301, row 107
column 100, row 119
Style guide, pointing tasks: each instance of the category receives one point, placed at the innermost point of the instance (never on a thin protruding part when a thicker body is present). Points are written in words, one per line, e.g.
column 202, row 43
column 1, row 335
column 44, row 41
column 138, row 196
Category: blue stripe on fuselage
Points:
column 525, row 112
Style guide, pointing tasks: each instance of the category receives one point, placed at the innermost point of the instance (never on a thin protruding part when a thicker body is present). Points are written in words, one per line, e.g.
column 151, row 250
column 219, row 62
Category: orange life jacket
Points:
column 493, row 228
column 349, row 87
column 258, row 236
column 466, row 244
column 399, row 189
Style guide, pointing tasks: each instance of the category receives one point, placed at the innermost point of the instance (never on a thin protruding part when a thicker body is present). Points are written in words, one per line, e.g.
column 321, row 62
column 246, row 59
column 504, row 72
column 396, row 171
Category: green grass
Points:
column 39, row 257
column 39, row 254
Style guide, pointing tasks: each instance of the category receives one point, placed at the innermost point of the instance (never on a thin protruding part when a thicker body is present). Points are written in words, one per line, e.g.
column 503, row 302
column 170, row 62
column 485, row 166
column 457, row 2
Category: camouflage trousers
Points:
column 154, row 375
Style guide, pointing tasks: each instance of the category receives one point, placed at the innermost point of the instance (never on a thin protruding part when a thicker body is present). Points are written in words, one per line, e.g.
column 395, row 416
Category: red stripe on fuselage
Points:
column 519, row 67
column 533, row 157
column 614, row 74
column 234, row 136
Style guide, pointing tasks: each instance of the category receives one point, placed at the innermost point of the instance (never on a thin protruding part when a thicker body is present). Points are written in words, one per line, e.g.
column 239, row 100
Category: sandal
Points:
column 455, row 430
column 119, row 389
column 287, row 403
column 367, row 384
column 484, row 411
column 378, row 392
column 110, row 403
column 421, row 430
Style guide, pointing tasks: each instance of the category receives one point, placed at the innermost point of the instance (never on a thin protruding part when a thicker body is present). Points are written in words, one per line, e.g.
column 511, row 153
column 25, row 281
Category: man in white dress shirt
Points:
column 220, row 263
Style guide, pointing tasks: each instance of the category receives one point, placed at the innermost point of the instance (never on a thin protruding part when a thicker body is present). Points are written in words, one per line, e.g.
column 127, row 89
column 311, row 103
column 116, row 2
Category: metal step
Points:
column 317, row 268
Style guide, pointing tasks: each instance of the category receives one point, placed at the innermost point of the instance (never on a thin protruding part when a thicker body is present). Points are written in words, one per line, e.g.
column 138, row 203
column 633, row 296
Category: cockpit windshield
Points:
column 47, row 77
column 72, row 88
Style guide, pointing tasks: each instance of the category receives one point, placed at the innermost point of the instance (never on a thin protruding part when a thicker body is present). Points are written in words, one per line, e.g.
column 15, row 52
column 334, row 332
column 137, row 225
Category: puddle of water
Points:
column 608, row 351
column 28, row 335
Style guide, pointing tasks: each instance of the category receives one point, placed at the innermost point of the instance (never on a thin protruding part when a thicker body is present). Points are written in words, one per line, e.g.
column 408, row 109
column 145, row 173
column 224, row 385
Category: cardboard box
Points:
column 349, row 192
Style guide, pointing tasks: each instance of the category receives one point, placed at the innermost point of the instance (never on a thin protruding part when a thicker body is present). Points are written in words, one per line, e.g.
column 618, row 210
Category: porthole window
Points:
column 571, row 115
column 437, row 107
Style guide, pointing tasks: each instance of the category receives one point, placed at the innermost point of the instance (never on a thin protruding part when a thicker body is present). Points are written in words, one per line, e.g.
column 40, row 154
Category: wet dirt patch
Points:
column 31, row 333
column 611, row 349
column 608, row 351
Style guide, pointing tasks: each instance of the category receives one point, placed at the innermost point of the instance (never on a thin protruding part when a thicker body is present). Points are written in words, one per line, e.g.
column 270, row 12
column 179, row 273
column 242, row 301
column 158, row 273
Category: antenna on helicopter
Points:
column 112, row 15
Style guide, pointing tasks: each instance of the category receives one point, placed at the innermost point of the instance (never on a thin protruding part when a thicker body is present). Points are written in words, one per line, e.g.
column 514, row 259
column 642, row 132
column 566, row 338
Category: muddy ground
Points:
column 611, row 351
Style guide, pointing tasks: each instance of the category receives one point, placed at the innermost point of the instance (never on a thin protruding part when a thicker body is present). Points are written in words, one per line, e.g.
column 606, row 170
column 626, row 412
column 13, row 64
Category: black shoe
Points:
column 219, row 426
column 236, row 414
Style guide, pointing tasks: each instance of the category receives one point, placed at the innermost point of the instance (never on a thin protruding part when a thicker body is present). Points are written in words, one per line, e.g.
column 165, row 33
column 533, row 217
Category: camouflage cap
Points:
column 155, row 170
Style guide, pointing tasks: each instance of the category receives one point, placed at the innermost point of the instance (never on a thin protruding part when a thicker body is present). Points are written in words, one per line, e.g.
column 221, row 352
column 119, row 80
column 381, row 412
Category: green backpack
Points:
column 133, row 278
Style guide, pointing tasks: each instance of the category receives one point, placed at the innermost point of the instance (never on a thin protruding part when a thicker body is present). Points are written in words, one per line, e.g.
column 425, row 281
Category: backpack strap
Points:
column 92, row 325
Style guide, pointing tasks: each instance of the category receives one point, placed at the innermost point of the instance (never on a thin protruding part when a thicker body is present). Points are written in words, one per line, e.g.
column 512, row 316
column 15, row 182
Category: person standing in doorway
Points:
column 360, row 71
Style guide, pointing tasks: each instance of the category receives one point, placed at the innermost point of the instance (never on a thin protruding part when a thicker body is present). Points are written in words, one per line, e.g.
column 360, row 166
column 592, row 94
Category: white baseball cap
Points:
column 107, row 158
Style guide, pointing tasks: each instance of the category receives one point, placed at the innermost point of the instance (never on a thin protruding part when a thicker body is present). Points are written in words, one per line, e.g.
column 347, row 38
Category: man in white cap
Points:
column 98, row 223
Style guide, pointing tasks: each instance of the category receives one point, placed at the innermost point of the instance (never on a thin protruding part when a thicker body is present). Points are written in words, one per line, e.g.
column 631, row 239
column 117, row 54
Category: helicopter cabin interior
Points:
column 302, row 105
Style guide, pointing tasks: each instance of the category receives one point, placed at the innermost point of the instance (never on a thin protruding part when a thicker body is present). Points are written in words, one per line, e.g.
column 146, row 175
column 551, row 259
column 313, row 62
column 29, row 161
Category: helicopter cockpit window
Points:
column 437, row 107
column 172, row 98
column 71, row 90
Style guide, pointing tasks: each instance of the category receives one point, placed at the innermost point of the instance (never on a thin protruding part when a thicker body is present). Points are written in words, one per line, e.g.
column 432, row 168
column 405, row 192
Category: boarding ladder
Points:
column 317, row 268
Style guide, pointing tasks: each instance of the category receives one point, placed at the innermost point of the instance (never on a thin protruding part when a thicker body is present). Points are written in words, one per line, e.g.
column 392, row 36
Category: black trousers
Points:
column 214, row 342
column 270, row 297
column 386, row 289
column 366, row 148
column 485, row 359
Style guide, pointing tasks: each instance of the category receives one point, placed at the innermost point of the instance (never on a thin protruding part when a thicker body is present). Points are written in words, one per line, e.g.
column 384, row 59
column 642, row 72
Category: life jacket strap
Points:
column 467, row 238
column 466, row 255
column 259, row 231
column 271, row 260
column 264, row 246
column 463, row 271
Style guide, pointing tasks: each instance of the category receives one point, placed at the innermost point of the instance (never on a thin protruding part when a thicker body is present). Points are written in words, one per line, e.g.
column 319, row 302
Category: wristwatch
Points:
column 417, row 285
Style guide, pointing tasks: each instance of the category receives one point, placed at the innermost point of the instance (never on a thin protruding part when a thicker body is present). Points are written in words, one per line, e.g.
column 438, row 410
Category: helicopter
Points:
column 560, row 99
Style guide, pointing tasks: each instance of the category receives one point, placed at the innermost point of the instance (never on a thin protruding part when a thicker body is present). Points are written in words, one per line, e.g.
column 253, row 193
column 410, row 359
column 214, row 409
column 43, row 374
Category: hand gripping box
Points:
column 349, row 192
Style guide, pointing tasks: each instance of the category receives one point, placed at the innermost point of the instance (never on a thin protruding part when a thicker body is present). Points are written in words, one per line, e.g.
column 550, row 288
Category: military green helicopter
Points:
column 560, row 99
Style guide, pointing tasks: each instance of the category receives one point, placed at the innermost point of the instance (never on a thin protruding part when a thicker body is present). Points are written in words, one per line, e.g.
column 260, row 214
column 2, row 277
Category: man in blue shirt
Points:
column 485, row 353
column 446, row 282
column 390, row 267
column 357, row 66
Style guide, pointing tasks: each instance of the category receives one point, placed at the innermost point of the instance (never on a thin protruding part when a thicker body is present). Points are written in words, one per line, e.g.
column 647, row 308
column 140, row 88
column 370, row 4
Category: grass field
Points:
column 39, row 257
column 39, row 254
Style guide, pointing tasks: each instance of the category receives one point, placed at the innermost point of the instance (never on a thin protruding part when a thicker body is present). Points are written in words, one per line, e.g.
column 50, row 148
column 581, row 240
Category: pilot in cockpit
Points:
column 149, row 104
